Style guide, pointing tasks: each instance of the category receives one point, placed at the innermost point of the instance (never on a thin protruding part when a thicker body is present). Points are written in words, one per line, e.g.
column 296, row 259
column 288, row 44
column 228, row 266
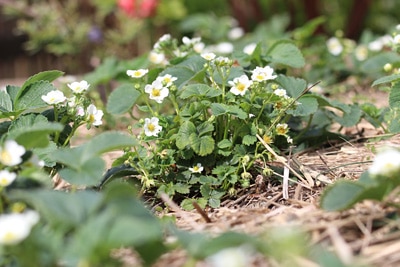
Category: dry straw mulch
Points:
column 363, row 234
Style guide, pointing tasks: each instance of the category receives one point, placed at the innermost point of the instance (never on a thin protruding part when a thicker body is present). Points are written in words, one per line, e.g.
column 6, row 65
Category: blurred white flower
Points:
column 197, row 168
column 157, row 91
column 6, row 178
column 260, row 74
column 54, row 97
column 11, row 153
column 15, row 227
column 208, row 56
column 167, row 80
column 379, row 43
column 79, row 87
column 386, row 163
column 361, row 52
column 235, row 33
column 280, row 92
column 137, row 73
column 157, row 58
column 224, row 48
column 94, row 115
column 195, row 42
column 151, row 127
column 249, row 49
column 334, row 46
column 240, row 85
column 232, row 257
column 282, row 128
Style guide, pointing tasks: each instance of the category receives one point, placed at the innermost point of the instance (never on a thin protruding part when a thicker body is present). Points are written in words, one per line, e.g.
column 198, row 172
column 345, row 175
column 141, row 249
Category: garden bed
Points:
column 360, row 234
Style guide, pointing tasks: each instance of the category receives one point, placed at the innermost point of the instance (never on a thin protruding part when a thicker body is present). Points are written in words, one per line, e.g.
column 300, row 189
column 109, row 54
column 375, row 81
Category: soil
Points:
column 352, row 234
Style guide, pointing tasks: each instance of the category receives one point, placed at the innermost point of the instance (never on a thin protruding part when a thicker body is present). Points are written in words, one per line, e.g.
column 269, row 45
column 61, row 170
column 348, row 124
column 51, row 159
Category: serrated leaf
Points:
column 32, row 96
column 122, row 99
column 349, row 118
column 341, row 195
column 286, row 53
column 218, row 109
column 308, row 105
column 185, row 131
column 33, row 130
column 394, row 96
column 195, row 90
column 5, row 102
column 225, row 143
column 48, row 76
column 205, row 128
column 387, row 79
column 249, row 140
column 203, row 145
column 182, row 188
column 294, row 86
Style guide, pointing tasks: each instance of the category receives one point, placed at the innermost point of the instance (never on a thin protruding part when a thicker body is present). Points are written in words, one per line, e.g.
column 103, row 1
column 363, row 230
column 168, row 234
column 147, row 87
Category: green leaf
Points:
column 32, row 96
column 375, row 63
column 203, row 145
column 341, row 195
column 196, row 90
column 205, row 128
column 122, row 99
column 294, row 86
column 308, row 29
column 106, row 71
column 72, row 157
column 308, row 105
column 105, row 142
column 218, row 109
column 183, row 74
column 394, row 96
column 286, row 53
column 249, row 140
column 33, row 130
column 5, row 102
column 60, row 209
column 387, row 79
column 88, row 174
column 184, row 133
column 225, row 143
column 45, row 76
column 349, row 118
column 182, row 188
column 187, row 204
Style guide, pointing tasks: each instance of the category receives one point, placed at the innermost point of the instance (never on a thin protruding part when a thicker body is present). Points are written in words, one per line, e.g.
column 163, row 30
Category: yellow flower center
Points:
column 155, row 92
column 5, row 157
column 151, row 127
column 91, row 118
column 3, row 181
column 137, row 73
column 281, row 130
column 267, row 139
column 260, row 77
column 196, row 168
column 241, row 87
column 9, row 237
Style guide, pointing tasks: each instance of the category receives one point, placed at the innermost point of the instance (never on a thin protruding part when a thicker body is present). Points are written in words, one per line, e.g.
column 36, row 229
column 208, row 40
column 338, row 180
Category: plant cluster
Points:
column 381, row 181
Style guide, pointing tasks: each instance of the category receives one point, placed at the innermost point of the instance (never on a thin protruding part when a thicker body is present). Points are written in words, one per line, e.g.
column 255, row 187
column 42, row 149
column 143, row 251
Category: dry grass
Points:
column 362, row 234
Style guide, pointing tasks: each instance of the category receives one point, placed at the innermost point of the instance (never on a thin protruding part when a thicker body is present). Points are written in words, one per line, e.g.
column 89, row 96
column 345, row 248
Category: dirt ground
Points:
column 351, row 234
